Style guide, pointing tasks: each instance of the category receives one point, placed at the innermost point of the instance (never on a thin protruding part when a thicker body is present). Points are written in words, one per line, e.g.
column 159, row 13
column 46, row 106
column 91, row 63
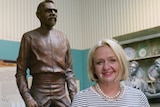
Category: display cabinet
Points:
column 142, row 46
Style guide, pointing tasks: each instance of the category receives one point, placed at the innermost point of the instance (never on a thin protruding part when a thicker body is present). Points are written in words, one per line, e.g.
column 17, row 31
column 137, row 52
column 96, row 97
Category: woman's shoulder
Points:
column 132, row 90
column 134, row 95
column 85, row 93
column 82, row 97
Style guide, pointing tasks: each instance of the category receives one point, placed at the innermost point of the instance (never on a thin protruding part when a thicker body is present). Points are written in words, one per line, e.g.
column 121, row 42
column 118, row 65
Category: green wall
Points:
column 9, row 51
column 80, row 67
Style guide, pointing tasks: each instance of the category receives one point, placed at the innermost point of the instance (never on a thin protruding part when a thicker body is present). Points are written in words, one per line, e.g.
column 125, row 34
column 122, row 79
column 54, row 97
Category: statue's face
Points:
column 47, row 14
column 155, row 71
column 133, row 69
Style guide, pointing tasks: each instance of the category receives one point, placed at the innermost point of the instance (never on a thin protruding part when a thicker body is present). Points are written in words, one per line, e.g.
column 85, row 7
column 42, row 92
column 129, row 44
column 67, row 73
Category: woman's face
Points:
column 106, row 64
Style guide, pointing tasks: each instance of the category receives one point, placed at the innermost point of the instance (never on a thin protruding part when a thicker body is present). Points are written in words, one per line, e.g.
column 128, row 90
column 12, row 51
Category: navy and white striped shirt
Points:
column 131, row 97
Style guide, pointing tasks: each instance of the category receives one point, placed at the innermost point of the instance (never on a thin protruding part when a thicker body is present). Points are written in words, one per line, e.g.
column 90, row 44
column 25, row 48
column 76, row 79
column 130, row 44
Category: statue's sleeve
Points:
column 70, row 78
column 22, row 65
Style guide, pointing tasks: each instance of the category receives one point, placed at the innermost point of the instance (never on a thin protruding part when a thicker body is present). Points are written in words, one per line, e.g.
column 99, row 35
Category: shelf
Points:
column 148, row 39
column 142, row 35
column 147, row 57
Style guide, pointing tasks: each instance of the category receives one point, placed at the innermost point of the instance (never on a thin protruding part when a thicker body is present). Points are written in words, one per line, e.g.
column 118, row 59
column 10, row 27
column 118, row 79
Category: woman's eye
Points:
column 113, row 60
column 99, row 62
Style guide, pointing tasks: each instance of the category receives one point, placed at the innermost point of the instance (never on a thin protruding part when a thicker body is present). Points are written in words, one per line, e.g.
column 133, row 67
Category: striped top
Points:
column 131, row 97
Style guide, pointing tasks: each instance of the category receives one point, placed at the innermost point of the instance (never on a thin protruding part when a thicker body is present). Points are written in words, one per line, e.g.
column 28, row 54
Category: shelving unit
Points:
column 147, row 40
column 147, row 57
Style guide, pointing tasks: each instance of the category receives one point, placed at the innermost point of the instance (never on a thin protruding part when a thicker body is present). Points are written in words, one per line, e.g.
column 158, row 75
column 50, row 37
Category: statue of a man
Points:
column 46, row 52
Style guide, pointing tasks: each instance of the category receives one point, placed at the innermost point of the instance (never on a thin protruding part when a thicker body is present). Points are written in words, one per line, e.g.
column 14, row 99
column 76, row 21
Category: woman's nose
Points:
column 106, row 65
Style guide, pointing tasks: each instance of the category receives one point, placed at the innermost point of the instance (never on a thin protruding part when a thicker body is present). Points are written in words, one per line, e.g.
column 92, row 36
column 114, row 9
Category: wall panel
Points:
column 18, row 16
column 84, row 21
column 109, row 18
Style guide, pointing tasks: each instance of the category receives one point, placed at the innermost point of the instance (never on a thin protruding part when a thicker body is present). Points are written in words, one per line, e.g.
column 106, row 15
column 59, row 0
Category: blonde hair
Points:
column 119, row 52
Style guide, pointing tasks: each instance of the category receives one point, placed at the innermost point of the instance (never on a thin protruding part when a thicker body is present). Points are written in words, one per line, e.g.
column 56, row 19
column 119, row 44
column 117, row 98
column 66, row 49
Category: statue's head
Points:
column 133, row 68
column 157, row 64
column 156, row 69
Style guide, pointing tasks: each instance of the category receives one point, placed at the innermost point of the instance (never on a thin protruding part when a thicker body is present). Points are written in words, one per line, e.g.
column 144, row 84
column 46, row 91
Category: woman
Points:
column 108, row 66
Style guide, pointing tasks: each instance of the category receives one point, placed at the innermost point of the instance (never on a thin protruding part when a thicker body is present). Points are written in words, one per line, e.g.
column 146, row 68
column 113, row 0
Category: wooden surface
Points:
column 3, row 63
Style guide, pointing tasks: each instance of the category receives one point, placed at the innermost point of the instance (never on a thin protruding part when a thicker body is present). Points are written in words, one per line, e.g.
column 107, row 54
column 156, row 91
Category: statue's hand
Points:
column 32, row 103
column 148, row 94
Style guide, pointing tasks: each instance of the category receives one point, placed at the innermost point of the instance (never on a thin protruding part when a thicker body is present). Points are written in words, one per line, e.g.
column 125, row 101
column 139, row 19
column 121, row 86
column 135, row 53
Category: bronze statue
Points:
column 46, row 52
